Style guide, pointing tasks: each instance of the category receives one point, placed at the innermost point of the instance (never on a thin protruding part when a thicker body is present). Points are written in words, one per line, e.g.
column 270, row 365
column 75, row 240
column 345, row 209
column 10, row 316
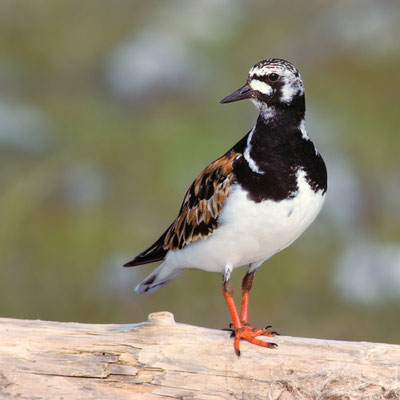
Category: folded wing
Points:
column 198, row 216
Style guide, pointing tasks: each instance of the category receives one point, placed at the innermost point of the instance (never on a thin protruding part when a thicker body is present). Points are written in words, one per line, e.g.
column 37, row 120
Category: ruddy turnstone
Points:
column 250, row 203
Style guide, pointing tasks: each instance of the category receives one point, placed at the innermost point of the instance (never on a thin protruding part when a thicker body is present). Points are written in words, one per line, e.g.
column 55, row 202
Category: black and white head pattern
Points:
column 276, row 82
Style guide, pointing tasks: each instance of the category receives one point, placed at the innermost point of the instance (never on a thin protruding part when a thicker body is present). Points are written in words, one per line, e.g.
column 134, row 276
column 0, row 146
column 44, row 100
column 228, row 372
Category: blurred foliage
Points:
column 96, row 176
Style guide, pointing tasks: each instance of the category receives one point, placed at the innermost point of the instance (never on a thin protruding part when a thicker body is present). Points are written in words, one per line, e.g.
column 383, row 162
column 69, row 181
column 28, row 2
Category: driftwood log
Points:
column 161, row 359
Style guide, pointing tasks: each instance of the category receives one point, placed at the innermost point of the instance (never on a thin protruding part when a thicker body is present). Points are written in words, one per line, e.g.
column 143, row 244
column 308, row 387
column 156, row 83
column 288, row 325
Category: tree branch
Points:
column 160, row 359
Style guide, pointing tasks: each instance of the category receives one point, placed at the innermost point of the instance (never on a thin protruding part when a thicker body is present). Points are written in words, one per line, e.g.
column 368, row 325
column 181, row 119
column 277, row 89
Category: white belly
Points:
column 249, row 232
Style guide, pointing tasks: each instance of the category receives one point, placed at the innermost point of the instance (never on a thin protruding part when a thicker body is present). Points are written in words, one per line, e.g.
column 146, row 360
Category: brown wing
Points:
column 202, row 205
column 198, row 216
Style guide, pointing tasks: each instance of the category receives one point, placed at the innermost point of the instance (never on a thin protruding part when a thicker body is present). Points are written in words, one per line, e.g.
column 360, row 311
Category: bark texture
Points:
column 161, row 359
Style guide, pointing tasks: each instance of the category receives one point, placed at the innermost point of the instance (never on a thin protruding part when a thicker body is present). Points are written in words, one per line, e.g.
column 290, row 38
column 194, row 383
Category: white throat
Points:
column 266, row 111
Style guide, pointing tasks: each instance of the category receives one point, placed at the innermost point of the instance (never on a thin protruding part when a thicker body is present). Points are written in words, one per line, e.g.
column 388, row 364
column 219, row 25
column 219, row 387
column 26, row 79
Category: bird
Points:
column 250, row 203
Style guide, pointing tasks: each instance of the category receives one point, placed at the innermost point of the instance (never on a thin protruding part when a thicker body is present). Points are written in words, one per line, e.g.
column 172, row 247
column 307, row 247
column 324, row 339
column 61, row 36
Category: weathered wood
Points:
column 161, row 359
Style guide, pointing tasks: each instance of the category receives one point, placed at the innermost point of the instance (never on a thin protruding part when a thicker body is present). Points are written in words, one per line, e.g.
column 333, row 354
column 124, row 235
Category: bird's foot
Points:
column 250, row 334
column 255, row 332
column 247, row 332
column 259, row 332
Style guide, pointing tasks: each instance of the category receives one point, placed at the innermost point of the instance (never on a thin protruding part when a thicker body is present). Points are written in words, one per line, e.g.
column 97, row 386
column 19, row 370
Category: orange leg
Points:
column 246, row 287
column 244, row 316
column 241, row 327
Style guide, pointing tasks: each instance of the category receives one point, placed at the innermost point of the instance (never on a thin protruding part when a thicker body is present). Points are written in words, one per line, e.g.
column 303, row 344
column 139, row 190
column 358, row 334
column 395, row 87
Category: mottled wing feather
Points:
column 198, row 216
column 202, row 204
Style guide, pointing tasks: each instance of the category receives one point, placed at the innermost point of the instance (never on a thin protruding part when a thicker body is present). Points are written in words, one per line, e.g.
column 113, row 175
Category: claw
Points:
column 232, row 331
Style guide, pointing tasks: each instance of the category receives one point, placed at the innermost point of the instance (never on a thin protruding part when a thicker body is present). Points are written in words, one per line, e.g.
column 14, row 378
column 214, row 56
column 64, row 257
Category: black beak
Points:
column 245, row 92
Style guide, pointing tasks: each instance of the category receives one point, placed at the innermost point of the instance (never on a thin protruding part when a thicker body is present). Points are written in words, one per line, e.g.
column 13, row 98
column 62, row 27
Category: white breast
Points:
column 250, row 232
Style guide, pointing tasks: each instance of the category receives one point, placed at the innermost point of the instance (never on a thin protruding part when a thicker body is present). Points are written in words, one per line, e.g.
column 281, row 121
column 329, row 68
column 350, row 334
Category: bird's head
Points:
column 271, row 84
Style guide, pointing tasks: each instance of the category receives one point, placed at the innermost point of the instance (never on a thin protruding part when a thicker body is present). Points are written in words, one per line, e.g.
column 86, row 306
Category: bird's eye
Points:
column 273, row 77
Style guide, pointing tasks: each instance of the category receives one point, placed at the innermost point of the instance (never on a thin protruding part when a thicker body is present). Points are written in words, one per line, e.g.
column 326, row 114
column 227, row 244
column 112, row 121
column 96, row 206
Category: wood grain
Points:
column 161, row 359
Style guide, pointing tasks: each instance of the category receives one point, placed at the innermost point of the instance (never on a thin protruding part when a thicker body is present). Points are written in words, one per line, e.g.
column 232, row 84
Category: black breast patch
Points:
column 279, row 154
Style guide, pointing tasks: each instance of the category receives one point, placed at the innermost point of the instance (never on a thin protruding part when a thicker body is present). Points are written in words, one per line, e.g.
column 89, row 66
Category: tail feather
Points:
column 158, row 278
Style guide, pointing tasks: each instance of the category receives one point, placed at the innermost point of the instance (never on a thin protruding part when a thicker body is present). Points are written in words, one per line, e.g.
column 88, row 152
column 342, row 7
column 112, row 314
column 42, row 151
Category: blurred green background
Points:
column 108, row 110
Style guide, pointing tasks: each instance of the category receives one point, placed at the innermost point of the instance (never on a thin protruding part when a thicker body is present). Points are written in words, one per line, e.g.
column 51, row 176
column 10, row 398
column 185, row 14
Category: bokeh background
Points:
column 108, row 110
